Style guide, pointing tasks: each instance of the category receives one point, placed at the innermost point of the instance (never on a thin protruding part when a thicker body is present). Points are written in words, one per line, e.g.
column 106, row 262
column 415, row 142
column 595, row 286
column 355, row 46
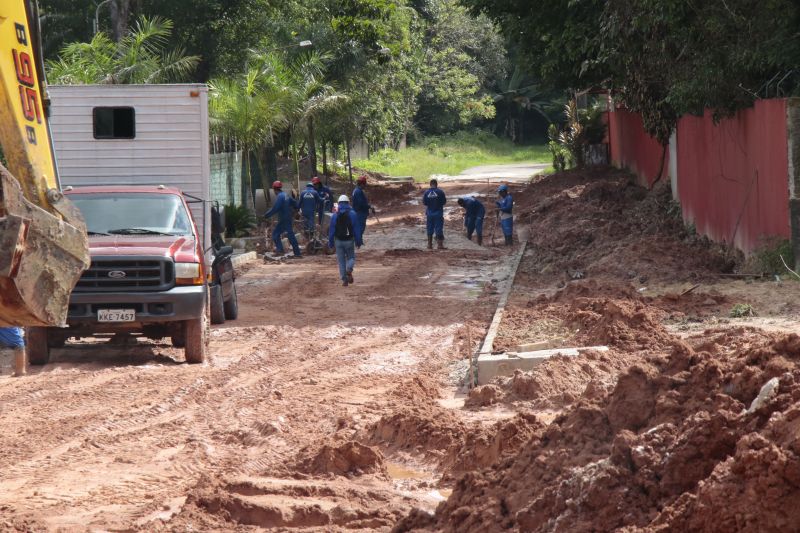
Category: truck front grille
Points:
column 116, row 274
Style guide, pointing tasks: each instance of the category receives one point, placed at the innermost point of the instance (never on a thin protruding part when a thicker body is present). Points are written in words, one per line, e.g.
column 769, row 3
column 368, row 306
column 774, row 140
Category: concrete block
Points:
column 541, row 345
column 491, row 366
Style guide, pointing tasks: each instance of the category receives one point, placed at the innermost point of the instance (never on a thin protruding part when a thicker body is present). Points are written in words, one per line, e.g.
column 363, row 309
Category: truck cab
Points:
column 147, row 277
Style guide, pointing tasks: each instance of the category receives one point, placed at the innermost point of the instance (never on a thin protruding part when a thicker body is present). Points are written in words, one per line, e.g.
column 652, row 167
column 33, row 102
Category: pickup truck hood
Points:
column 178, row 247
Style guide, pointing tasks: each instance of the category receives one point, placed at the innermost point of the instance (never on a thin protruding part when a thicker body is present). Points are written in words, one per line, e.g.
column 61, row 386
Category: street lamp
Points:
column 97, row 16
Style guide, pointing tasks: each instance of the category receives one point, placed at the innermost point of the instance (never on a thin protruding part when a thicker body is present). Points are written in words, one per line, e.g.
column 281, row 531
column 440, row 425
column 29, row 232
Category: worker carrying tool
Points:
column 326, row 195
column 284, row 207
column 434, row 200
column 12, row 338
column 474, row 213
column 310, row 202
column 361, row 204
column 505, row 205
column 345, row 236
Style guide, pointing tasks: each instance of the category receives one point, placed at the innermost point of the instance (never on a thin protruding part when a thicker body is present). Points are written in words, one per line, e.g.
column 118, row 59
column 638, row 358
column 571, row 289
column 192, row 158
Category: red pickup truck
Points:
column 147, row 278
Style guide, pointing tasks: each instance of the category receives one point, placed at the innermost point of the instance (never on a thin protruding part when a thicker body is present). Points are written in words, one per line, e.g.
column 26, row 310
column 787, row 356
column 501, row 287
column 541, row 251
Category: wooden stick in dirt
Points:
column 471, row 374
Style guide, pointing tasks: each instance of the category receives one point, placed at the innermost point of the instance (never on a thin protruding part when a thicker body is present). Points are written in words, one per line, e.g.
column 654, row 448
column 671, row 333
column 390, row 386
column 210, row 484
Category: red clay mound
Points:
column 346, row 459
column 678, row 445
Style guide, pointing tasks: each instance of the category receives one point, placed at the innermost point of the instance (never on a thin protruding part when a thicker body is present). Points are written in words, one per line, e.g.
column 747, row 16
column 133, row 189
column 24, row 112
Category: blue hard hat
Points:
column 309, row 184
column 502, row 188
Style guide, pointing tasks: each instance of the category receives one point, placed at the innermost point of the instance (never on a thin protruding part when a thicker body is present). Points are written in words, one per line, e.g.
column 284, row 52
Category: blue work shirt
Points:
column 506, row 205
column 309, row 201
column 360, row 204
column 434, row 200
column 283, row 207
column 474, row 208
column 345, row 210
column 11, row 338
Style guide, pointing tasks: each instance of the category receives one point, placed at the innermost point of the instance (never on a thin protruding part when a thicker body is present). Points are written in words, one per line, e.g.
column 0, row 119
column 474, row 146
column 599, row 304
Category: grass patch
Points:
column 451, row 154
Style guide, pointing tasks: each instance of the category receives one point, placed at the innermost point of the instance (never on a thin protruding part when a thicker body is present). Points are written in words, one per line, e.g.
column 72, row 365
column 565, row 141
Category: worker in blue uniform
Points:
column 310, row 203
column 474, row 213
column 326, row 195
column 344, row 235
column 505, row 206
column 12, row 338
column 360, row 204
column 285, row 207
column 434, row 200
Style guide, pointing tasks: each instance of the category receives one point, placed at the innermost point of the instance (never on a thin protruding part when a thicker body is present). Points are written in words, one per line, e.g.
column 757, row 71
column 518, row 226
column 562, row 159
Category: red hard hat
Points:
column 277, row 185
column 362, row 179
column 315, row 180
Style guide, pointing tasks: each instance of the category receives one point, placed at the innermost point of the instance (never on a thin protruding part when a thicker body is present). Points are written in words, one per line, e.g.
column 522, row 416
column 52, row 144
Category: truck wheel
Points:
column 36, row 345
column 217, row 305
column 232, row 306
column 196, row 340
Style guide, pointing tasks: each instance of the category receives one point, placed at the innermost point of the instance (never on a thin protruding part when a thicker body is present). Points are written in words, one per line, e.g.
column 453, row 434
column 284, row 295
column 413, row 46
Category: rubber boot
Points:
column 430, row 242
column 509, row 240
column 20, row 362
column 480, row 240
column 440, row 244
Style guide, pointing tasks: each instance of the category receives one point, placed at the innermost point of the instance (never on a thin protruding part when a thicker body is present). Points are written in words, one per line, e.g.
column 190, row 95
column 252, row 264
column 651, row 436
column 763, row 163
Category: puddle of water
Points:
column 398, row 471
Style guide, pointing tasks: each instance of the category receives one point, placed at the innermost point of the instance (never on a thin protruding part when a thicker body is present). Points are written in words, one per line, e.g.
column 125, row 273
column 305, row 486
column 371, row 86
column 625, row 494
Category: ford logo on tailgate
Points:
column 116, row 274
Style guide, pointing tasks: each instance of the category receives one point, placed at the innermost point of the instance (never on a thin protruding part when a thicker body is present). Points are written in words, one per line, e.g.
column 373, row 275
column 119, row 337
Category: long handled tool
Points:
column 380, row 224
column 496, row 223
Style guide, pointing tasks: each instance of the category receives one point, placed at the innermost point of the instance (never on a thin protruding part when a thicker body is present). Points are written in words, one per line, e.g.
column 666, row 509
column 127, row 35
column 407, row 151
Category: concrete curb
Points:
column 242, row 259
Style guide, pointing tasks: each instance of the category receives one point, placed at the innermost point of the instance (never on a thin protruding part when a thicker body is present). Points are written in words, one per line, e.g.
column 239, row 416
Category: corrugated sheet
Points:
column 733, row 176
column 632, row 148
column 171, row 145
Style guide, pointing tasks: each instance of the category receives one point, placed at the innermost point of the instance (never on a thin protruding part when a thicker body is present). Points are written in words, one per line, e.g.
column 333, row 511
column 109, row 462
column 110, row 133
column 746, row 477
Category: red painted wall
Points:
column 733, row 176
column 632, row 148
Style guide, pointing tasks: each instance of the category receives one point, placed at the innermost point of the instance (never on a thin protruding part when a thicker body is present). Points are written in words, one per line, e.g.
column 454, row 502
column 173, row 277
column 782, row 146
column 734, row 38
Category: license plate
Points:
column 116, row 315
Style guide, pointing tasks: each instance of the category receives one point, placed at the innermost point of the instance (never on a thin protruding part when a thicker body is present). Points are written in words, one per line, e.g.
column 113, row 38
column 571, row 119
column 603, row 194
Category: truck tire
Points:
column 232, row 306
column 217, row 305
column 196, row 340
column 36, row 345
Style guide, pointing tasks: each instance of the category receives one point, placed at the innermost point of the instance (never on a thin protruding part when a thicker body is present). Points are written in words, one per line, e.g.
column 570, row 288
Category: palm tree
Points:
column 138, row 57
column 250, row 109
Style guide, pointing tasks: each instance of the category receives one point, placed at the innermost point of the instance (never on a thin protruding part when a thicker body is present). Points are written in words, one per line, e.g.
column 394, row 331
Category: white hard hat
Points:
column 344, row 198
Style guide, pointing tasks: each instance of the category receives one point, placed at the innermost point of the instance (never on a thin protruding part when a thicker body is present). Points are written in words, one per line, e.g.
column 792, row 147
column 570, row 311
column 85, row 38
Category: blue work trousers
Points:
column 435, row 223
column 362, row 221
column 280, row 229
column 508, row 226
column 345, row 256
column 308, row 223
column 474, row 225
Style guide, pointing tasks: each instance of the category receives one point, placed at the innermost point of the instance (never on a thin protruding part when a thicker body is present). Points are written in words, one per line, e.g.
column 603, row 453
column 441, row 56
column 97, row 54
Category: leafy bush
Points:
column 238, row 220
column 562, row 157
column 742, row 310
column 767, row 258
column 584, row 128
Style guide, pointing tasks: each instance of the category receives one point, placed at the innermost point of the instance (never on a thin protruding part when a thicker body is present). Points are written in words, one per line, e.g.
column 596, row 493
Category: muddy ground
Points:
column 331, row 408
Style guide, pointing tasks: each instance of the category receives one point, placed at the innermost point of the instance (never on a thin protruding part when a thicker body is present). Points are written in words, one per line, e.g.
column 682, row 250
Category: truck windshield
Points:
column 133, row 214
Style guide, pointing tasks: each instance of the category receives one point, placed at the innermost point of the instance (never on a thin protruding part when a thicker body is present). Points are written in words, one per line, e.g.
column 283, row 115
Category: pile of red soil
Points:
column 349, row 459
column 679, row 444
column 601, row 223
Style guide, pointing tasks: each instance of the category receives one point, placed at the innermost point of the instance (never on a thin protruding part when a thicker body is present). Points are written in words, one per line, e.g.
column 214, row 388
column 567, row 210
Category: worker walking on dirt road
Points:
column 474, row 212
column 361, row 204
column 434, row 200
column 505, row 205
column 344, row 235
column 11, row 338
column 310, row 203
column 284, row 207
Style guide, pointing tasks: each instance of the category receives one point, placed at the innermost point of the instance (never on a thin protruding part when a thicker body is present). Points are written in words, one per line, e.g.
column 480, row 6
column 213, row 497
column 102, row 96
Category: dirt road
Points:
column 121, row 437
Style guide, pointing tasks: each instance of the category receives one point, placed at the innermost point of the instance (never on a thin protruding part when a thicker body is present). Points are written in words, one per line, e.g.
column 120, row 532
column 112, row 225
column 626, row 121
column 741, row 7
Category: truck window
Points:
column 114, row 122
column 134, row 213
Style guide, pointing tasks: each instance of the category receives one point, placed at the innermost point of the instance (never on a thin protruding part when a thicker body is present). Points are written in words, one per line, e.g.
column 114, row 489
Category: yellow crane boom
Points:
column 43, row 243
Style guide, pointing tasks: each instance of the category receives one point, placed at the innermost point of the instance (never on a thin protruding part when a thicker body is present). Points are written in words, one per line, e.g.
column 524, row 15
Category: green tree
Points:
column 139, row 57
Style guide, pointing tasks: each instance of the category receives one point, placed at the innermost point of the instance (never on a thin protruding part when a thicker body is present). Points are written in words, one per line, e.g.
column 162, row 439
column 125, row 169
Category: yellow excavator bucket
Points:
column 43, row 243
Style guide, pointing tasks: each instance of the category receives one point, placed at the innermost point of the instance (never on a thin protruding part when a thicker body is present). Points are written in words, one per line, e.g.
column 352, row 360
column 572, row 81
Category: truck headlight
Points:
column 188, row 274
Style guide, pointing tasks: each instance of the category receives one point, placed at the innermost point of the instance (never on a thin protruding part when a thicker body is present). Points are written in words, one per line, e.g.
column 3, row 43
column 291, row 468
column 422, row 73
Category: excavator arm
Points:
column 43, row 242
